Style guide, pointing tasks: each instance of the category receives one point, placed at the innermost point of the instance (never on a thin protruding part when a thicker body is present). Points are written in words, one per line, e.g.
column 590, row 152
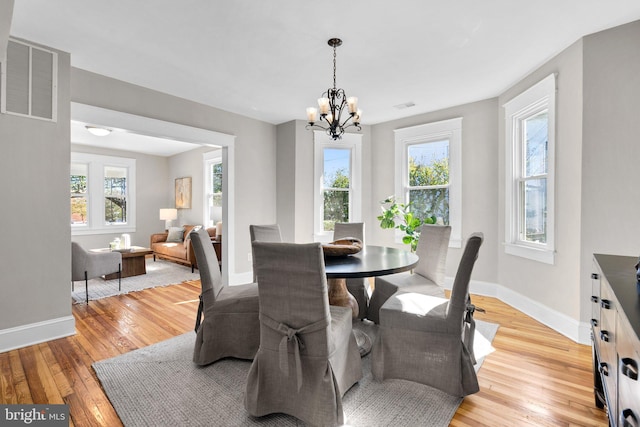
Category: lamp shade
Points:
column 168, row 213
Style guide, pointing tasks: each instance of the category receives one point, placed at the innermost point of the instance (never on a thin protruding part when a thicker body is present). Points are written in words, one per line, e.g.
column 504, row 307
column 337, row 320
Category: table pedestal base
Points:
column 339, row 295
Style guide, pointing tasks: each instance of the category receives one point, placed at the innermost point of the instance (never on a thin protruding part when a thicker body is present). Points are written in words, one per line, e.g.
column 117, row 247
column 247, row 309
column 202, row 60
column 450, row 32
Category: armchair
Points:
column 87, row 265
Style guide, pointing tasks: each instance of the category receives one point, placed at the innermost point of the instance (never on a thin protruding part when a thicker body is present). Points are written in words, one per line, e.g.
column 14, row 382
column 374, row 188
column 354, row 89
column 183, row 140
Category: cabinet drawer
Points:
column 628, row 347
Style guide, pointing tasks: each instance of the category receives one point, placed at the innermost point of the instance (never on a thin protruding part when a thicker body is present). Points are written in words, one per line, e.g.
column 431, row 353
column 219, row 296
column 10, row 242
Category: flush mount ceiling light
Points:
column 98, row 131
column 333, row 104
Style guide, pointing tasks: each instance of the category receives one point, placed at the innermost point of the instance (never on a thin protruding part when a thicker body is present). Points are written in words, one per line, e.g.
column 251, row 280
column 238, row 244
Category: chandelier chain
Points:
column 334, row 67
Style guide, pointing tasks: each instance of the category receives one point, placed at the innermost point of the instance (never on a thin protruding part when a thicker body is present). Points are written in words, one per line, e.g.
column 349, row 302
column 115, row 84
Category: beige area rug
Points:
column 159, row 273
column 159, row 385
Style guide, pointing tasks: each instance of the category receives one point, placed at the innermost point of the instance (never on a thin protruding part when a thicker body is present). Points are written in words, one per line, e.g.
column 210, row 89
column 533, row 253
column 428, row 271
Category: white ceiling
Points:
column 269, row 60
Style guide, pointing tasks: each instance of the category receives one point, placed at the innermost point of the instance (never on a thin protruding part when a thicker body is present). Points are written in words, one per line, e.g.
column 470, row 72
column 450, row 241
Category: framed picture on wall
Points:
column 183, row 193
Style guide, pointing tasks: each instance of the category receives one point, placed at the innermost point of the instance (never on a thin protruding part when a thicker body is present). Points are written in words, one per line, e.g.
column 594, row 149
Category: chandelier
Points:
column 333, row 105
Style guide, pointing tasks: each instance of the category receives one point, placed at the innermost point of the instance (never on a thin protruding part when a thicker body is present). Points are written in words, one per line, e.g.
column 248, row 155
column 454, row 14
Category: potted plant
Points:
column 399, row 215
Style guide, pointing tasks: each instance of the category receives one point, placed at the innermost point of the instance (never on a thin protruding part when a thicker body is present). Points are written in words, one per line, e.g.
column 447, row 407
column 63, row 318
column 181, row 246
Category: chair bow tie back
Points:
column 292, row 335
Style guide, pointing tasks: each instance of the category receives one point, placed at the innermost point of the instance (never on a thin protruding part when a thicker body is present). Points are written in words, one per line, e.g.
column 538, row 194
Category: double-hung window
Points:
column 530, row 140
column 428, row 173
column 213, row 187
column 337, row 182
column 102, row 190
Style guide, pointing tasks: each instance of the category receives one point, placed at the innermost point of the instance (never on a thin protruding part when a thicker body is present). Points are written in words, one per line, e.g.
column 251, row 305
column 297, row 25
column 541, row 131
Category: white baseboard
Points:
column 35, row 333
column 560, row 322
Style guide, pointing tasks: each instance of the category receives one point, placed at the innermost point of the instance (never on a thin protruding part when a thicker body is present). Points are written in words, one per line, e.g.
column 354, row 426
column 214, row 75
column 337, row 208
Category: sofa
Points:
column 175, row 245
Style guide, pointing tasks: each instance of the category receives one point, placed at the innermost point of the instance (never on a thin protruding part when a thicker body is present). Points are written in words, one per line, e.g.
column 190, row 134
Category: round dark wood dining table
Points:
column 371, row 261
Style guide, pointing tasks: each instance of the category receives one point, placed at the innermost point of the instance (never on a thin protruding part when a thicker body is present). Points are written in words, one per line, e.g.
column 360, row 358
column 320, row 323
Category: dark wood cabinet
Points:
column 615, row 332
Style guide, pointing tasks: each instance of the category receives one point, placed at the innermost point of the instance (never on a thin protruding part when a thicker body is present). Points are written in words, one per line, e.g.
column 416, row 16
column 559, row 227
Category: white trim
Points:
column 537, row 98
column 35, row 333
column 445, row 129
column 353, row 142
column 569, row 327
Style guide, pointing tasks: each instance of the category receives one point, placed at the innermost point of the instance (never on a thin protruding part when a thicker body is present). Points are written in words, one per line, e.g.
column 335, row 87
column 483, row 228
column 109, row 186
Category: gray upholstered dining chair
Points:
column 425, row 339
column 87, row 265
column 426, row 278
column 358, row 287
column 230, row 327
column 308, row 357
column 263, row 233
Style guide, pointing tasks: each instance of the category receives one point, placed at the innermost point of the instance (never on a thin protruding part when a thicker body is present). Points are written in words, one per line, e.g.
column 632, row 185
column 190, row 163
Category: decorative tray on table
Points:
column 342, row 247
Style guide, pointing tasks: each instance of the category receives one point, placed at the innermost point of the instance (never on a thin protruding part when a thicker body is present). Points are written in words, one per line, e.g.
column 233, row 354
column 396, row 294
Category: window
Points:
column 530, row 137
column 213, row 188
column 102, row 194
column 428, row 173
column 337, row 180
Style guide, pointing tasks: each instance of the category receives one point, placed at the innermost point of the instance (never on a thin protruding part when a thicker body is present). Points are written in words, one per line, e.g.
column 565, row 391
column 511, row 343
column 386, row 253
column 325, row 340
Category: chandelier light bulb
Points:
column 312, row 114
column 323, row 103
column 352, row 102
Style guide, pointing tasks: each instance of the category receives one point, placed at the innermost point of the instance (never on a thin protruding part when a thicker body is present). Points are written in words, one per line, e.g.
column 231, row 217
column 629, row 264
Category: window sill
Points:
column 111, row 230
column 534, row 254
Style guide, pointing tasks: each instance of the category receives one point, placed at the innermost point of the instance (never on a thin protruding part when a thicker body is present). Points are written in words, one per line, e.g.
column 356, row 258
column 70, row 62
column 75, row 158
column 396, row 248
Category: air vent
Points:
column 405, row 105
column 30, row 82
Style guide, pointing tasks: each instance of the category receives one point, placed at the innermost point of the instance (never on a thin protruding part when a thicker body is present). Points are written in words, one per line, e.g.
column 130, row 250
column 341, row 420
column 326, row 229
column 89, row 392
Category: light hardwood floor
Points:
column 535, row 376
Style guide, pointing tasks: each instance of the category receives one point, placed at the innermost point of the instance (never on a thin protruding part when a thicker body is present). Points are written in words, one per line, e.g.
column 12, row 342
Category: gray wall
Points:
column 35, row 266
column 479, row 179
column 554, row 286
column 611, row 149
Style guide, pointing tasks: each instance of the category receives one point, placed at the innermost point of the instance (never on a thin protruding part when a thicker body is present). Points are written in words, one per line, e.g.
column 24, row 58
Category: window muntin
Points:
column 115, row 195
column 529, row 199
column 336, row 186
column 532, row 182
column 102, row 194
column 337, row 177
column 214, row 191
column 428, row 179
column 428, row 173
column 79, row 193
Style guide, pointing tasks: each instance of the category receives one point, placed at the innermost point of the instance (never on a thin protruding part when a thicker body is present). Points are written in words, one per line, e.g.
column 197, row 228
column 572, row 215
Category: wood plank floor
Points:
column 535, row 376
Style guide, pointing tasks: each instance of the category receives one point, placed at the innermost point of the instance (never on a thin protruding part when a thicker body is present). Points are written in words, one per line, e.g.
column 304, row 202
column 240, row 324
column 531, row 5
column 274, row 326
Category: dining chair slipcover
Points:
column 358, row 287
column 264, row 233
column 308, row 357
column 87, row 265
column 426, row 278
column 230, row 327
column 425, row 339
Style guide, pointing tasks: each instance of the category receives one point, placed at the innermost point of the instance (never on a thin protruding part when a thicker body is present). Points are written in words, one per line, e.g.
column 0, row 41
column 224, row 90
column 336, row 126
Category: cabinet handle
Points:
column 628, row 418
column 629, row 368
column 595, row 276
column 604, row 369
column 594, row 322
column 594, row 298
column 604, row 336
column 605, row 303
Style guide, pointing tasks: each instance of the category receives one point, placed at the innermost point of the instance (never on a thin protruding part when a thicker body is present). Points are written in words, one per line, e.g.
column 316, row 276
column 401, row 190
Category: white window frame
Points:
column 540, row 97
column 349, row 141
column 95, row 194
column 450, row 130
column 211, row 158
column 54, row 83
